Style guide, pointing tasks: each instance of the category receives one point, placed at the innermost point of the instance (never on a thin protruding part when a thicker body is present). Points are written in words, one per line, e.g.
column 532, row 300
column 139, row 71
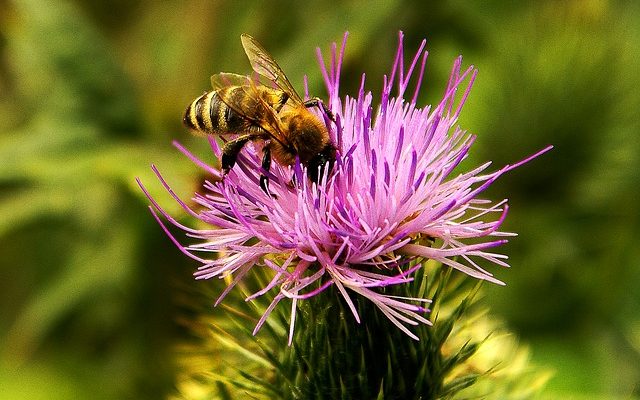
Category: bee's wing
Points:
column 226, row 79
column 250, row 106
column 262, row 63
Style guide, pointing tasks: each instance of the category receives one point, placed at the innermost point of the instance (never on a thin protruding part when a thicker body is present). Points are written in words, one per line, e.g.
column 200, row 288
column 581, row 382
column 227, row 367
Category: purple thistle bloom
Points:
column 390, row 202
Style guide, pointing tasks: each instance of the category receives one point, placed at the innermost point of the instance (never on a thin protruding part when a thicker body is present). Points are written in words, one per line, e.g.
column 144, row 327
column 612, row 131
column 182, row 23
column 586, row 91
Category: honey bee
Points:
column 255, row 112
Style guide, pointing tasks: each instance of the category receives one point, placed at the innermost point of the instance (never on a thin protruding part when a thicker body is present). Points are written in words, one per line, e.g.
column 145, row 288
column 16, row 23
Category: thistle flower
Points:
column 390, row 201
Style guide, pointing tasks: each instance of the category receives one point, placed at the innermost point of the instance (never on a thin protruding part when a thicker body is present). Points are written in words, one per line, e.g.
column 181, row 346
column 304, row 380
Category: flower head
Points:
column 391, row 201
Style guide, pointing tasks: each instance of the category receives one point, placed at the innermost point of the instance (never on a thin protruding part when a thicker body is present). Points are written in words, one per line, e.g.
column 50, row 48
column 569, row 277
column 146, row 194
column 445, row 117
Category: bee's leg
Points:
column 266, row 166
column 317, row 102
column 324, row 159
column 231, row 150
column 283, row 100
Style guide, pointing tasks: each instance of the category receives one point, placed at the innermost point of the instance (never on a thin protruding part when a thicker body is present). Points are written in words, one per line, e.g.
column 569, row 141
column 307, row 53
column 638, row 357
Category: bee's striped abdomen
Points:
column 228, row 118
column 202, row 113
column 210, row 114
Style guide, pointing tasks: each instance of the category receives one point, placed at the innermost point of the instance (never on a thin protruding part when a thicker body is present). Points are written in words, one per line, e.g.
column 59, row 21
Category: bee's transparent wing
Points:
column 248, row 104
column 226, row 79
column 264, row 64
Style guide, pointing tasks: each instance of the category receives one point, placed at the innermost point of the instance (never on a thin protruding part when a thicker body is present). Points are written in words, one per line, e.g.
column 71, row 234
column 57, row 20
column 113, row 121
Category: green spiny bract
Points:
column 465, row 354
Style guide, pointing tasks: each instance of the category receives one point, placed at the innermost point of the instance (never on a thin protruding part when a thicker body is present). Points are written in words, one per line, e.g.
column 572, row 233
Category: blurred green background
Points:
column 92, row 93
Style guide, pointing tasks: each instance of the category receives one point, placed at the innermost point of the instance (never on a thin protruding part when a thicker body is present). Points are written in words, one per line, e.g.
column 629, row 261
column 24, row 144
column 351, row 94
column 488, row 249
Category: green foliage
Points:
column 72, row 230
column 573, row 84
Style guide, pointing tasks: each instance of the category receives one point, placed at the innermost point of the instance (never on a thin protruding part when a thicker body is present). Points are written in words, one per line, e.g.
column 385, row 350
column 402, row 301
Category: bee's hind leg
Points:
column 231, row 150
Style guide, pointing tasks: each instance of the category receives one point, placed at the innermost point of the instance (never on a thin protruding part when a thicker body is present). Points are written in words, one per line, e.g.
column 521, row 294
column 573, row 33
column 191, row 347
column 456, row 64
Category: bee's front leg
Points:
column 317, row 102
column 266, row 166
